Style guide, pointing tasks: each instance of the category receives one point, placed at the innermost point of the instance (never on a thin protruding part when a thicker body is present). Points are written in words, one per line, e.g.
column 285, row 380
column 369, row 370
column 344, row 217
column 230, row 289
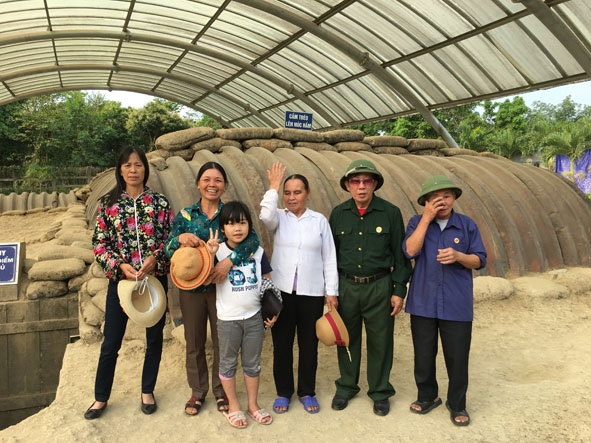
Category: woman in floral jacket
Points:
column 132, row 226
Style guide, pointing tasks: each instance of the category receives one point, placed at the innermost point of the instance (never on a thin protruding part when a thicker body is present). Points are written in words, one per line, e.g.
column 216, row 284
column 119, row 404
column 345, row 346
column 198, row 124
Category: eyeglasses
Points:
column 359, row 181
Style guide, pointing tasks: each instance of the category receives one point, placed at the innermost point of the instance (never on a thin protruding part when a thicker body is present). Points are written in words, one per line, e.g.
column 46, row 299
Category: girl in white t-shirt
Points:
column 238, row 304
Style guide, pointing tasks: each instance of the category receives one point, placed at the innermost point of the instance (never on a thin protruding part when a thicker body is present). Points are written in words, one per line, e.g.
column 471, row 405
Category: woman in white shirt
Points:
column 305, row 270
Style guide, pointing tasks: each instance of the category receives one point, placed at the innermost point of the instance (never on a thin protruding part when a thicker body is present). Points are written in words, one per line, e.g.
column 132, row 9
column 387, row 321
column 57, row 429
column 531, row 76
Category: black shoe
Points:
column 149, row 408
column 381, row 407
column 339, row 403
column 91, row 414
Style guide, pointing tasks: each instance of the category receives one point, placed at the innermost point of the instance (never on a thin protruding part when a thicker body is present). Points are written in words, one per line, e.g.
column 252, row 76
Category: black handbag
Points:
column 271, row 302
column 271, row 305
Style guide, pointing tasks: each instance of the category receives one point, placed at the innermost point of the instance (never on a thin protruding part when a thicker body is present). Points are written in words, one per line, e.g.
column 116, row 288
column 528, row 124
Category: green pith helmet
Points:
column 437, row 183
column 362, row 167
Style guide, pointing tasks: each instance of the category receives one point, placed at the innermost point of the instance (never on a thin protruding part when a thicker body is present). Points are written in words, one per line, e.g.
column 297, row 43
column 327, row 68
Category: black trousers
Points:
column 456, row 337
column 115, row 325
column 299, row 313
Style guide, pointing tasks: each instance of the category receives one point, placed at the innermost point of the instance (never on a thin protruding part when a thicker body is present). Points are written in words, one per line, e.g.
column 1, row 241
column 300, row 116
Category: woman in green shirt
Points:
column 191, row 228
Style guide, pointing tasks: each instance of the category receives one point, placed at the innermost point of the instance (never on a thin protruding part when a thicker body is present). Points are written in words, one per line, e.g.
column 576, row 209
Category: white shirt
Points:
column 304, row 244
column 238, row 296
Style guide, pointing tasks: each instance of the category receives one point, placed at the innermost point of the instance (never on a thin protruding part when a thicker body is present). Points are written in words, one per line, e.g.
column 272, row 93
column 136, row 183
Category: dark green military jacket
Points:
column 370, row 243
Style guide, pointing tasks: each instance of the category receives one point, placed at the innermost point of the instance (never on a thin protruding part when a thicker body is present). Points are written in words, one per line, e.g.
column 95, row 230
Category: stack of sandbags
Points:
column 179, row 142
column 187, row 142
column 387, row 144
column 58, row 261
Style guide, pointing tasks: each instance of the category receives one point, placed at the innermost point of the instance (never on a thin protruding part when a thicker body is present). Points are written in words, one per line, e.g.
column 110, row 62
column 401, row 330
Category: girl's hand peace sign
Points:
column 213, row 244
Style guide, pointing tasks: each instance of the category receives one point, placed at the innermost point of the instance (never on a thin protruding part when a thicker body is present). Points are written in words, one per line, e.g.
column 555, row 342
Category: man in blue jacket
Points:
column 446, row 246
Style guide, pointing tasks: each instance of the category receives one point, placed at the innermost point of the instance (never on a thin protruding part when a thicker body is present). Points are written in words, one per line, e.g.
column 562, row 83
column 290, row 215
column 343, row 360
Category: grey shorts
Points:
column 246, row 337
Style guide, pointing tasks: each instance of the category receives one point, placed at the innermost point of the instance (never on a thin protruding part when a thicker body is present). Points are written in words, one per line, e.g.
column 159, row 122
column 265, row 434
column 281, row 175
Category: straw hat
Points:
column 331, row 330
column 143, row 301
column 189, row 267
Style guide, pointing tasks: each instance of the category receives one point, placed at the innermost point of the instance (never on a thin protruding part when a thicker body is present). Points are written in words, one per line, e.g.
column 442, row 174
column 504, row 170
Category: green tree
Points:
column 566, row 111
column 73, row 117
column 158, row 117
column 71, row 129
column 375, row 128
column 512, row 115
column 98, row 143
column 473, row 136
column 12, row 148
column 36, row 120
column 204, row 120
column 412, row 126
column 489, row 112
column 462, row 122
column 507, row 143
column 465, row 125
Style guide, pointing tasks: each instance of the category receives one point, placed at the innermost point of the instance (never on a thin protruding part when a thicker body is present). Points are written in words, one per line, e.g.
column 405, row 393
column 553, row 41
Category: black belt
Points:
column 366, row 279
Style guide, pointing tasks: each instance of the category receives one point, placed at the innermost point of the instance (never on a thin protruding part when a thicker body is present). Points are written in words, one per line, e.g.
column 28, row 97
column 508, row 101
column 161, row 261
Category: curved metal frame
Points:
column 448, row 53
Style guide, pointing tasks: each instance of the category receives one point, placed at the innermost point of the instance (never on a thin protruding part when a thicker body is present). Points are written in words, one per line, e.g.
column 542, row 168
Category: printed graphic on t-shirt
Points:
column 244, row 276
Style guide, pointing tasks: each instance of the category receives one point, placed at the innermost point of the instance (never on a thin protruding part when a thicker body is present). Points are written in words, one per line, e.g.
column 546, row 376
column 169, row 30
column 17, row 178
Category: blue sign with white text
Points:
column 298, row 120
column 8, row 263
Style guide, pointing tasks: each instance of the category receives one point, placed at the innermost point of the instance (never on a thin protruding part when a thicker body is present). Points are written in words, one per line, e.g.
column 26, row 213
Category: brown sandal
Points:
column 194, row 403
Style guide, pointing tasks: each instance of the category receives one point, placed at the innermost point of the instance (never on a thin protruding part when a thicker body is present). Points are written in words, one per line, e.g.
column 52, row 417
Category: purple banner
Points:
column 582, row 170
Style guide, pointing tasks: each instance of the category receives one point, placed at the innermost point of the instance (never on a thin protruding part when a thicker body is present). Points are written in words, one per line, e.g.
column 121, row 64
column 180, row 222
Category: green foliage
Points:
column 12, row 149
column 375, row 128
column 67, row 130
column 566, row 111
column 158, row 117
column 36, row 175
column 570, row 138
column 512, row 115
column 413, row 126
column 202, row 120
column 506, row 142
column 78, row 130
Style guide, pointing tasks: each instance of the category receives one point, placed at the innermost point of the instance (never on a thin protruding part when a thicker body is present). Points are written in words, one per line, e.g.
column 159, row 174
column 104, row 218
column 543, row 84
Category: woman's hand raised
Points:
column 275, row 175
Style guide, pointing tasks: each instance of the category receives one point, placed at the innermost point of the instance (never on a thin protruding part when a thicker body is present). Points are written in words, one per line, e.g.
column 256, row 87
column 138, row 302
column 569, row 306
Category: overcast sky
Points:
column 579, row 92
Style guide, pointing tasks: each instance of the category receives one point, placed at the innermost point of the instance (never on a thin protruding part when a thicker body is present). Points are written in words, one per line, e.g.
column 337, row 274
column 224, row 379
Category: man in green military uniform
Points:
column 373, row 272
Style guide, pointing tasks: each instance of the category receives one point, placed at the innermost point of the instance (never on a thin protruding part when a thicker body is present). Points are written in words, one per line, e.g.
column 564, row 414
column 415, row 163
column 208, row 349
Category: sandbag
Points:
column 298, row 135
column 386, row 140
column 269, row 144
column 214, row 144
column 392, row 150
column 245, row 133
column 343, row 135
column 316, row 146
column 174, row 141
column 352, row 146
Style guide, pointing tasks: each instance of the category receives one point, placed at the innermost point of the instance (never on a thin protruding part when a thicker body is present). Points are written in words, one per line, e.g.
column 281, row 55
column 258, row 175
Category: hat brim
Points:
column 188, row 285
column 143, row 308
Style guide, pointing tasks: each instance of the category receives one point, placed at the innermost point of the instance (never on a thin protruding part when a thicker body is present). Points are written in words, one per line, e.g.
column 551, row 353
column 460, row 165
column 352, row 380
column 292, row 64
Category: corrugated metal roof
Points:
column 247, row 62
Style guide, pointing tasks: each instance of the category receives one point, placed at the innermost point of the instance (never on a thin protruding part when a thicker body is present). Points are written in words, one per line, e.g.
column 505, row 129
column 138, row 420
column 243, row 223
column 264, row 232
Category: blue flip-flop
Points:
column 281, row 402
column 309, row 402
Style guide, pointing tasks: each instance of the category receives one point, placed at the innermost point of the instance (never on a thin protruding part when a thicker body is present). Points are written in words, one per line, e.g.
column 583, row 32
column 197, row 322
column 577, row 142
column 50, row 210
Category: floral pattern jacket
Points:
column 131, row 230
